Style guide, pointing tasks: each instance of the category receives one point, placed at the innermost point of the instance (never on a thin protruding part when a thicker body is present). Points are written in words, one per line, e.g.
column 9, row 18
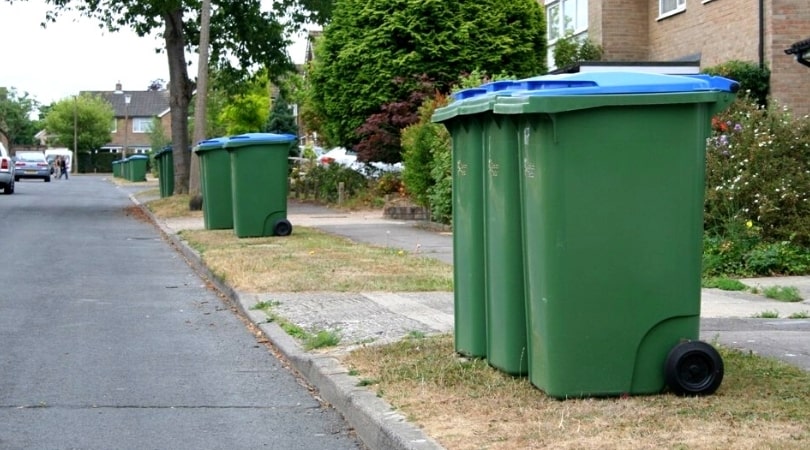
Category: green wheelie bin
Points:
column 116, row 168
column 215, row 184
column 164, row 160
column 612, row 178
column 259, row 170
column 504, row 299
column 125, row 169
column 137, row 167
column 469, row 289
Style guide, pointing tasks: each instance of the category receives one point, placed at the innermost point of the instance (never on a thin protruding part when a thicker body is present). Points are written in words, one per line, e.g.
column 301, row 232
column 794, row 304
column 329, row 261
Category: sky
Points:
column 74, row 54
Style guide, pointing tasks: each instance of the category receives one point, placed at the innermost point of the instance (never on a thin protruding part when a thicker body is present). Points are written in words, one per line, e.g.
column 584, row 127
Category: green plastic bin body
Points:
column 137, row 167
column 215, row 184
column 259, row 169
column 469, row 288
column 116, row 168
column 164, row 160
column 125, row 169
column 504, row 299
column 612, row 188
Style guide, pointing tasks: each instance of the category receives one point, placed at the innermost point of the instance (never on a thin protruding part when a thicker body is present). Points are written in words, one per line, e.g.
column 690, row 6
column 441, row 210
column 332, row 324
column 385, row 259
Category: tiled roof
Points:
column 142, row 103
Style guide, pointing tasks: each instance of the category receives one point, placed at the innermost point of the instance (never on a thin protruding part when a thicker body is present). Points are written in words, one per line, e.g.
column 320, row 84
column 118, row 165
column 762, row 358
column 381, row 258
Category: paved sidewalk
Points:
column 384, row 317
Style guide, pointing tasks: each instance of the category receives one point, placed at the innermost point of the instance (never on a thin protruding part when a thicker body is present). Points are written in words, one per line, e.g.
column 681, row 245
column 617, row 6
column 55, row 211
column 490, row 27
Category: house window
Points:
column 670, row 7
column 565, row 17
column 141, row 124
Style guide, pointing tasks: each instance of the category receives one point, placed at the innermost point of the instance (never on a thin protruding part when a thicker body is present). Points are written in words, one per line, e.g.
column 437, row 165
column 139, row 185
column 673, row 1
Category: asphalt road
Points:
column 108, row 339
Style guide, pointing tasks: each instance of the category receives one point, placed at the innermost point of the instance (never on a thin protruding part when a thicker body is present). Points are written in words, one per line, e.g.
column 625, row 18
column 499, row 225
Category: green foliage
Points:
column 767, row 314
column 569, row 50
column 245, row 113
column 389, row 183
column 93, row 116
column 281, row 120
column 440, row 195
column 15, row 110
column 369, row 45
column 782, row 293
column 322, row 339
column 158, row 139
column 726, row 284
column 321, row 182
column 757, row 202
column 753, row 79
column 101, row 162
column 418, row 143
column 799, row 315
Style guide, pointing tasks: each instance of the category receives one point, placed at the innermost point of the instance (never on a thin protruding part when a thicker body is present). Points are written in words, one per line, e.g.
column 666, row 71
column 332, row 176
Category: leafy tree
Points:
column 282, row 120
column 245, row 113
column 244, row 38
column 92, row 115
column 374, row 52
column 306, row 11
column 15, row 110
column 380, row 133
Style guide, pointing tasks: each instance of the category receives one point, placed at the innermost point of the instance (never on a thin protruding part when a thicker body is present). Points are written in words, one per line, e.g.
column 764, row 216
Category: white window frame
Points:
column 579, row 29
column 141, row 124
column 679, row 7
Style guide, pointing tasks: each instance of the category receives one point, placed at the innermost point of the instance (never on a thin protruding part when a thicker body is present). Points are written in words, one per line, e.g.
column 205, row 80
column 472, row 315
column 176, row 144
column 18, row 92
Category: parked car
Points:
column 348, row 158
column 6, row 171
column 31, row 165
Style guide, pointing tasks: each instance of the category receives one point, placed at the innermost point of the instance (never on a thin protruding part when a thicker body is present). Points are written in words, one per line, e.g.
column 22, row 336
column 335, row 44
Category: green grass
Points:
column 767, row 315
column 322, row 339
column 782, row 293
column 724, row 283
column 800, row 315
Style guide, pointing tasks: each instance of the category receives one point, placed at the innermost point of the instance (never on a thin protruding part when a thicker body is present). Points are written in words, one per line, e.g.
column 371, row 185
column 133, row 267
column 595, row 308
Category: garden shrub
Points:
column 753, row 79
column 757, row 206
column 418, row 140
column 321, row 182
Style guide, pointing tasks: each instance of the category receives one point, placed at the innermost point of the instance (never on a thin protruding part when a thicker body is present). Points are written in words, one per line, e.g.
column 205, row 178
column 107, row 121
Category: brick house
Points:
column 708, row 31
column 133, row 120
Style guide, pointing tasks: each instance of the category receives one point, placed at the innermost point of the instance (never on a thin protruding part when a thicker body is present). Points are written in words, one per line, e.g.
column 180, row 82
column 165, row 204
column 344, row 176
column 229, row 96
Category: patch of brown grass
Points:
column 466, row 404
column 172, row 207
column 310, row 260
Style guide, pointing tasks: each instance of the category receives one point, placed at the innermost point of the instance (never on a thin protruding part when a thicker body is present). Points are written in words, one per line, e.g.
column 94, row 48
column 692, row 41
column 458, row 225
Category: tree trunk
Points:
column 200, row 122
column 179, row 97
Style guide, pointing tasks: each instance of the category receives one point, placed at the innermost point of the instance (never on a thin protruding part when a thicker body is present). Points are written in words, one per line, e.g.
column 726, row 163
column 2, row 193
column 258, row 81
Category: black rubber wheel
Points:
column 282, row 228
column 47, row 180
column 693, row 368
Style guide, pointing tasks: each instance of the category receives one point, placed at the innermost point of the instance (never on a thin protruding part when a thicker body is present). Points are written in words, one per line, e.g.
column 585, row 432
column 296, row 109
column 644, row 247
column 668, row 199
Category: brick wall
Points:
column 719, row 30
column 621, row 27
column 716, row 30
column 790, row 81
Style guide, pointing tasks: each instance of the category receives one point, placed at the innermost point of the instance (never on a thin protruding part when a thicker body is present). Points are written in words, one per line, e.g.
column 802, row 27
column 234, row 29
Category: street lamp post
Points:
column 127, row 99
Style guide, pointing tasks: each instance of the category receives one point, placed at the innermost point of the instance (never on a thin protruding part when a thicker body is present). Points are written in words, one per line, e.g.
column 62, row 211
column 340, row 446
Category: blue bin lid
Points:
column 602, row 83
column 260, row 138
column 211, row 144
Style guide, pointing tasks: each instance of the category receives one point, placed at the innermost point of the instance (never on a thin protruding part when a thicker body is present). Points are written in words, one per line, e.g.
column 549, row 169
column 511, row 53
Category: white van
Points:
column 66, row 153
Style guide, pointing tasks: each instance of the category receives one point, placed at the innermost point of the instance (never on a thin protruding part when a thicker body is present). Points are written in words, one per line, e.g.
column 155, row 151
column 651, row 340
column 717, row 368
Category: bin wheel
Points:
column 694, row 368
column 282, row 228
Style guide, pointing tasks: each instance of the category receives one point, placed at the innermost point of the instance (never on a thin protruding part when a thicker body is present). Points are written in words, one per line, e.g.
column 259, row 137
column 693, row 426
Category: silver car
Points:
column 31, row 165
column 6, row 171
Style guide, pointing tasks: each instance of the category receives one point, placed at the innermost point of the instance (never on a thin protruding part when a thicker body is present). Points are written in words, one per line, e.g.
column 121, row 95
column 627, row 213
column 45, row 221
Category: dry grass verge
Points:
column 465, row 404
column 171, row 207
column 310, row 260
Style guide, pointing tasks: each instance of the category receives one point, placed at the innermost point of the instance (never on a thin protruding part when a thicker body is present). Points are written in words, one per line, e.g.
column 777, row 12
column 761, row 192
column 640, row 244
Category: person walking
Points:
column 63, row 168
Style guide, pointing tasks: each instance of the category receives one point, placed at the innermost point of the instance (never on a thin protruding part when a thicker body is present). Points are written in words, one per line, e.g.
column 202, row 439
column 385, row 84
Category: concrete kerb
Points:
column 373, row 420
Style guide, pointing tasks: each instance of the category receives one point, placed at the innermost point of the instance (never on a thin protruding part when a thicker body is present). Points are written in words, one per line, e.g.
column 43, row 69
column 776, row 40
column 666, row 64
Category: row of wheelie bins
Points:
column 577, row 229
column 243, row 180
column 132, row 168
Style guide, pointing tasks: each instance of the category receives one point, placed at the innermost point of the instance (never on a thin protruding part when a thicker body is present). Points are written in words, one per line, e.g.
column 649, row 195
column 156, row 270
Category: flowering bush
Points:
column 757, row 190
